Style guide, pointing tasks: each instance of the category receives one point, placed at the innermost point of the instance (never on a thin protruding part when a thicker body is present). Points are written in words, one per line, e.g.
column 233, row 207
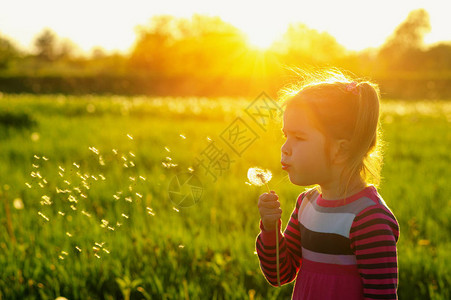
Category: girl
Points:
column 340, row 242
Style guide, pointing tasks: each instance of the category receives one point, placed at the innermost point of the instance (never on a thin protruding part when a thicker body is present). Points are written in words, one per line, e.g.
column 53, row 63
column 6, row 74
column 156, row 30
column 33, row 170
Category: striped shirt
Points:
column 357, row 238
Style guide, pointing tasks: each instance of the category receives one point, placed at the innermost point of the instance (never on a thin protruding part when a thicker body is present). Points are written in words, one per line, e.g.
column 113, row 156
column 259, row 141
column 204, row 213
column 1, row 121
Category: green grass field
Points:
column 87, row 214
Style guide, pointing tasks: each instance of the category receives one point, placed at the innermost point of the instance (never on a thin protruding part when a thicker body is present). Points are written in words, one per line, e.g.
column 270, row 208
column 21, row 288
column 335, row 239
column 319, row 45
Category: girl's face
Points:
column 303, row 153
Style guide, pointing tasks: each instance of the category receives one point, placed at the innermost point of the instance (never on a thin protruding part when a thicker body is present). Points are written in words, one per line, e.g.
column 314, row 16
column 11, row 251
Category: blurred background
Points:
column 127, row 129
column 209, row 49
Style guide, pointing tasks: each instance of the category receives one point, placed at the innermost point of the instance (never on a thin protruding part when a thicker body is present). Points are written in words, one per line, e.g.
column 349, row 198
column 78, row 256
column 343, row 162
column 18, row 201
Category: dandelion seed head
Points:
column 258, row 176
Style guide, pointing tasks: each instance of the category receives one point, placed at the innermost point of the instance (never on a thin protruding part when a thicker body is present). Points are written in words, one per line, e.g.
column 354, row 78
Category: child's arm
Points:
column 290, row 249
column 374, row 234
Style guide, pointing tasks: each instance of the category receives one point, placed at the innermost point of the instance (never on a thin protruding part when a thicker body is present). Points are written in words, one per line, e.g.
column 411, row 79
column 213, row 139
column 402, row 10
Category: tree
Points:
column 405, row 46
column 8, row 52
column 45, row 44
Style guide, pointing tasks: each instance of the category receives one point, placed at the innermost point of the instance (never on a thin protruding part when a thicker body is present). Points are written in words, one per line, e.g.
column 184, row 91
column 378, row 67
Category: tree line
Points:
column 204, row 55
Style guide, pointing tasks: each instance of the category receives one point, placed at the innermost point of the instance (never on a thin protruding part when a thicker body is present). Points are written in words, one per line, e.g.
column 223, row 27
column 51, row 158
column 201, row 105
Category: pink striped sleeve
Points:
column 373, row 235
column 289, row 250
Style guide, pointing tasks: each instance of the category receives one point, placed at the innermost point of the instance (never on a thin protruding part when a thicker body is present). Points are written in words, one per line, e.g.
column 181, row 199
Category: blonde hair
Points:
column 343, row 107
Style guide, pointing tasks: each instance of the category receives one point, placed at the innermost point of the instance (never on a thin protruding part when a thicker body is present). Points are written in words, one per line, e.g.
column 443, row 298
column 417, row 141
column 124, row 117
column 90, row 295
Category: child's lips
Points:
column 285, row 166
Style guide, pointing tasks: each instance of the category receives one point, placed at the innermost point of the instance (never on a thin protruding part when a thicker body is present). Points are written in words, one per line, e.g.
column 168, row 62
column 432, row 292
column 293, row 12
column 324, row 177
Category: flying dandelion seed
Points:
column 34, row 166
column 83, row 195
column 37, row 157
column 28, row 185
column 45, row 158
column 174, row 208
column 142, row 178
column 41, row 185
column 60, row 174
column 86, row 213
column 208, row 139
column 78, row 248
column 182, row 136
column 104, row 223
column 67, row 182
column 116, row 197
column 129, row 199
column 61, row 213
column 96, row 255
column 46, row 200
column 106, row 250
column 131, row 154
column 124, row 158
column 114, row 151
column 93, row 177
column 139, row 195
column 77, row 166
column 167, row 149
column 102, row 177
column 101, row 161
column 168, row 158
column 132, row 178
column 181, row 246
column 132, row 164
column 111, row 228
column 130, row 136
column 118, row 224
column 73, row 207
column 125, row 216
column 68, row 234
column 61, row 168
column 93, row 149
column 43, row 216
column 190, row 169
column 61, row 257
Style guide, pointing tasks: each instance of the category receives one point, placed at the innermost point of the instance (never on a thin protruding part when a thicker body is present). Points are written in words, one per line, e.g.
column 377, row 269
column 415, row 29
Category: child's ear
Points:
column 340, row 151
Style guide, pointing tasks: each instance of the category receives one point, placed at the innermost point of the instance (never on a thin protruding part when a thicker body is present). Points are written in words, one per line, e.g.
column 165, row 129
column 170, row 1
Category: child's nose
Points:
column 285, row 149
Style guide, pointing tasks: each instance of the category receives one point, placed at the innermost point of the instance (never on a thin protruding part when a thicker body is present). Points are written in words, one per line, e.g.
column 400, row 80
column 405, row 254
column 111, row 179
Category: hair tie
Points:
column 352, row 87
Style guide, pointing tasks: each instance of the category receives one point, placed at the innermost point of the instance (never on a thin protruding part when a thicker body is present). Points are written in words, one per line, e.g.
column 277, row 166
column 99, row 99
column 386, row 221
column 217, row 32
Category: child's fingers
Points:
column 268, row 197
column 265, row 212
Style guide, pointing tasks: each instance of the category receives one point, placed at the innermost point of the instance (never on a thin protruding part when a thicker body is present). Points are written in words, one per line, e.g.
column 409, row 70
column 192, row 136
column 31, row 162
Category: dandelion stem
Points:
column 277, row 253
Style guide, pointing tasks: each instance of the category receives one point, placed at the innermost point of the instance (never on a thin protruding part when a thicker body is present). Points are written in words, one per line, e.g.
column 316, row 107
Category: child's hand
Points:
column 269, row 208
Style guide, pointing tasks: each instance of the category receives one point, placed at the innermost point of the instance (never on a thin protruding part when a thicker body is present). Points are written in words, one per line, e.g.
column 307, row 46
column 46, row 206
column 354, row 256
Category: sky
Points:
column 111, row 24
